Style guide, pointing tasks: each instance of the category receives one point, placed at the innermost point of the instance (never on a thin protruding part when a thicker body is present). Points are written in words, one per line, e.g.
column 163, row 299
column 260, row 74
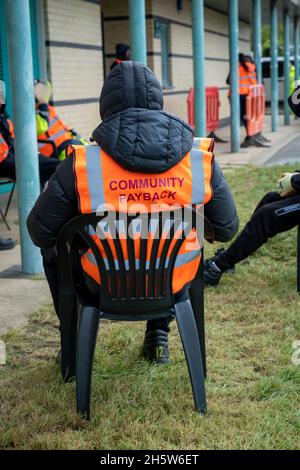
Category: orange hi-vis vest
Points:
column 4, row 149
column 57, row 132
column 246, row 79
column 101, row 181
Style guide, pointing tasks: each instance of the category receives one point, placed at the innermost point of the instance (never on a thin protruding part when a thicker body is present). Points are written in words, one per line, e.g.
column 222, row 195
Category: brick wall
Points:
column 75, row 60
column 116, row 29
column 181, row 63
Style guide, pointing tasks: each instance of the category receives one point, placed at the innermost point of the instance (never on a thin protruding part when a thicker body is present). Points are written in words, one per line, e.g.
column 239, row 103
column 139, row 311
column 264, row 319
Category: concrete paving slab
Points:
column 289, row 154
column 20, row 294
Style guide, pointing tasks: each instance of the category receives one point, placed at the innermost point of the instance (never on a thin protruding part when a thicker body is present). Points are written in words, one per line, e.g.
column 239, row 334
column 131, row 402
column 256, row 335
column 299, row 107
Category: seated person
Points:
column 7, row 151
column 138, row 145
column 50, row 126
column 277, row 212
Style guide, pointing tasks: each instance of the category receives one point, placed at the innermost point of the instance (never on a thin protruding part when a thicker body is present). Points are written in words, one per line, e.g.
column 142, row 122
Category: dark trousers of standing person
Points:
column 273, row 215
column 47, row 166
column 243, row 111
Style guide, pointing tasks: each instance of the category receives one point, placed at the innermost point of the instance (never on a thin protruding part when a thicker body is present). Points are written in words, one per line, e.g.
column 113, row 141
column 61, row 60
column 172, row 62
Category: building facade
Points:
column 73, row 43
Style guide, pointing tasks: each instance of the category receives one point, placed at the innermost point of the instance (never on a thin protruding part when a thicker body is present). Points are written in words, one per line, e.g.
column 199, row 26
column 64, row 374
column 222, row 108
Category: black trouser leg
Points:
column 273, row 215
column 8, row 168
column 47, row 167
column 243, row 111
column 163, row 323
column 50, row 268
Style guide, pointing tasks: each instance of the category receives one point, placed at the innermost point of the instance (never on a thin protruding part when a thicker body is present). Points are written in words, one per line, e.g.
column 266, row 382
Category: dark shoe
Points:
column 261, row 141
column 155, row 347
column 217, row 254
column 263, row 138
column 7, row 244
column 212, row 274
column 253, row 142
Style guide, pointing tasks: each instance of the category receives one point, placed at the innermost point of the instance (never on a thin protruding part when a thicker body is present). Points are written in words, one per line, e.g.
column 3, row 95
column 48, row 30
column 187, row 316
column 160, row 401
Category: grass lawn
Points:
column 253, row 387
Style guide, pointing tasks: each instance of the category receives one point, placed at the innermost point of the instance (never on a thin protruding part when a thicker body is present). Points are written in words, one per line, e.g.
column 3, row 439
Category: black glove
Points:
column 294, row 101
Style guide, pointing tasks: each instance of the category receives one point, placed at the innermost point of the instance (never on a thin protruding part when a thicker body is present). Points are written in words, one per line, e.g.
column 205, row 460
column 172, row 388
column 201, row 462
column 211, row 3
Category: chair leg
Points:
column 4, row 220
column 68, row 312
column 298, row 260
column 86, row 343
column 197, row 301
column 189, row 337
column 10, row 198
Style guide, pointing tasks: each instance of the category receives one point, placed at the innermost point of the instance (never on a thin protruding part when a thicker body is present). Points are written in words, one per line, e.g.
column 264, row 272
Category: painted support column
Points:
column 256, row 11
column 40, row 22
column 234, row 72
column 137, row 26
column 26, row 154
column 274, row 64
column 296, row 46
column 286, row 29
column 199, row 67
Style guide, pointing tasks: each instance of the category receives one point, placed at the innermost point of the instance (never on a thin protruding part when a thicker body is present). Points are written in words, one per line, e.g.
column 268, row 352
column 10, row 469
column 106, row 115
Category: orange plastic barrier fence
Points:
column 212, row 108
column 255, row 109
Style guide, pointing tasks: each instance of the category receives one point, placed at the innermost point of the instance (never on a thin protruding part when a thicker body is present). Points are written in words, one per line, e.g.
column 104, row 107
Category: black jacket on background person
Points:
column 140, row 137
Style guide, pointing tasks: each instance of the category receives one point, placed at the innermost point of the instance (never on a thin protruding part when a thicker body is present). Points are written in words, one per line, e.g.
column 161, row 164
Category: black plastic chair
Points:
column 4, row 181
column 298, row 260
column 129, row 291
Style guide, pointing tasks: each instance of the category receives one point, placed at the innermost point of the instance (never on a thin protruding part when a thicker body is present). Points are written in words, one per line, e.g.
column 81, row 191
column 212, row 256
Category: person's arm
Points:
column 221, row 210
column 42, row 118
column 56, row 205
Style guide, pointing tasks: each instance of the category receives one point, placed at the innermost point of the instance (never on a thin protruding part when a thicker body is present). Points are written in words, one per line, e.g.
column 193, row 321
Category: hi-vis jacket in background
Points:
column 143, row 155
column 102, row 181
column 4, row 148
column 246, row 78
column 50, row 127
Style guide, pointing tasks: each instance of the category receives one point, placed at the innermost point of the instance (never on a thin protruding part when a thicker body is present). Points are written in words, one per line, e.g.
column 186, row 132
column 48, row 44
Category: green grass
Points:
column 253, row 388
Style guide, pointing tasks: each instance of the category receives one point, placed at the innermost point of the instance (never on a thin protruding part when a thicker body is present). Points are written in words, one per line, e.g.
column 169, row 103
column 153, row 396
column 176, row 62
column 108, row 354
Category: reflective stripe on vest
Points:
column 181, row 260
column 100, row 181
column 246, row 79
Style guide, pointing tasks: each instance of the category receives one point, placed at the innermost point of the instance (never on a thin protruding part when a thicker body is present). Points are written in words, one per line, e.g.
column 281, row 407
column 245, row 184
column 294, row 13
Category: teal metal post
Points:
column 27, row 169
column 256, row 9
column 274, row 64
column 199, row 67
column 296, row 48
column 137, row 26
column 234, row 72
column 41, row 38
column 287, row 65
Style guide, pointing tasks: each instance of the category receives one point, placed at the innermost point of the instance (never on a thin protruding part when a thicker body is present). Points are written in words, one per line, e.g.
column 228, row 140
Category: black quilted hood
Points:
column 135, row 131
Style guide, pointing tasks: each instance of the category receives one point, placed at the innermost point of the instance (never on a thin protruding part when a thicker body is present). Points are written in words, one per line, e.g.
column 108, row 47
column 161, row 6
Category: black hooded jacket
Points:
column 141, row 137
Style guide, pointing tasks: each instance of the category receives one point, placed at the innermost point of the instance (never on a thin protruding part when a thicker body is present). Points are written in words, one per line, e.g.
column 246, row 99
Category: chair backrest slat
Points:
column 152, row 272
column 122, row 276
column 131, row 266
column 142, row 276
column 110, row 260
column 99, row 259
column 135, row 260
